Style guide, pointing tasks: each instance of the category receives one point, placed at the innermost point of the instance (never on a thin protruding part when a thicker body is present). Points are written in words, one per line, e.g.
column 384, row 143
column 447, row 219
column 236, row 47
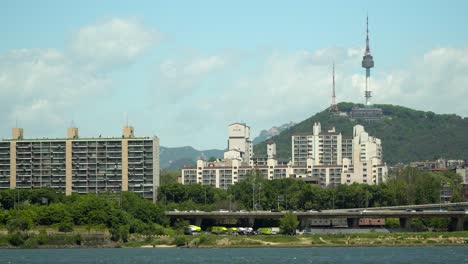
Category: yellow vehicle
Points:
column 232, row 230
column 218, row 230
column 268, row 230
column 192, row 230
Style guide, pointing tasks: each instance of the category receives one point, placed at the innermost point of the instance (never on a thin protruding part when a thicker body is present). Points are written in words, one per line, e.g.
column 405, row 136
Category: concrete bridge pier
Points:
column 304, row 223
column 456, row 223
column 198, row 221
column 251, row 221
column 353, row 222
column 405, row 223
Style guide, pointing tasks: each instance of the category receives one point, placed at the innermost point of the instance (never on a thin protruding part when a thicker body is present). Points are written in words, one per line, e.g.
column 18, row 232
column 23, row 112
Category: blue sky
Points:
column 184, row 70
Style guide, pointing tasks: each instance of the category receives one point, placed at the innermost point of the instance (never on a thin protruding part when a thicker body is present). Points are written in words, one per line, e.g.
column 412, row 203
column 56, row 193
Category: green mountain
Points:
column 177, row 158
column 406, row 134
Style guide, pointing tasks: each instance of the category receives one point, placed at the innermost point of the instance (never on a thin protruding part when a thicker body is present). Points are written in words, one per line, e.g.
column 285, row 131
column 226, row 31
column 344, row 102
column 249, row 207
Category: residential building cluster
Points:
column 320, row 157
column 81, row 165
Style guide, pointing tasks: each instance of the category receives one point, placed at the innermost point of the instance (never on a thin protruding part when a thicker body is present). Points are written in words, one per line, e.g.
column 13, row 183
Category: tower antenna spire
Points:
column 367, row 35
column 334, row 106
column 333, row 94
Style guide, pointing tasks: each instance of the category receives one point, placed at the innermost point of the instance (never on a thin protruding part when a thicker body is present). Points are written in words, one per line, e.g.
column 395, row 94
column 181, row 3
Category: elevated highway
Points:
column 352, row 215
column 437, row 206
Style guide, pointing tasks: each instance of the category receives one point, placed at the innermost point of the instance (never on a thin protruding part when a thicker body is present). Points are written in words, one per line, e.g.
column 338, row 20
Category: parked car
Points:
column 218, row 230
column 192, row 230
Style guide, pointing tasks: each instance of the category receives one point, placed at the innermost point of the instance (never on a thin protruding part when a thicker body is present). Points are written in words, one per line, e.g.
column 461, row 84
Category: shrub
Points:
column 78, row 239
column 42, row 238
column 124, row 232
column 19, row 224
column 65, row 226
column 17, row 239
column 32, row 242
column 289, row 223
column 120, row 233
column 115, row 234
column 179, row 241
column 392, row 223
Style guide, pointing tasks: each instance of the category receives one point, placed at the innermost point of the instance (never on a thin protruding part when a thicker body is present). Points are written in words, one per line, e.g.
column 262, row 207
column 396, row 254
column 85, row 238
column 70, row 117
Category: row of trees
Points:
column 404, row 186
column 121, row 213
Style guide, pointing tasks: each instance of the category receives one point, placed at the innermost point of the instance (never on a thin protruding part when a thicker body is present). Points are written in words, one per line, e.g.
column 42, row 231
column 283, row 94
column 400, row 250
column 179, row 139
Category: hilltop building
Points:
column 368, row 112
column 321, row 158
column 81, row 165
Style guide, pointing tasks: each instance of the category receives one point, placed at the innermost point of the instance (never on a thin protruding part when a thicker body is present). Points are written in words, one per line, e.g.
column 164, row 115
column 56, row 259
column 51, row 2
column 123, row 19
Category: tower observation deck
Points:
column 368, row 112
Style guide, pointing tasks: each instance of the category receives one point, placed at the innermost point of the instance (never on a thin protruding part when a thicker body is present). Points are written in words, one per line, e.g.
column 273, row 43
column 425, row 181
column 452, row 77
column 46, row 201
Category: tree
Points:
column 19, row 223
column 289, row 223
column 169, row 176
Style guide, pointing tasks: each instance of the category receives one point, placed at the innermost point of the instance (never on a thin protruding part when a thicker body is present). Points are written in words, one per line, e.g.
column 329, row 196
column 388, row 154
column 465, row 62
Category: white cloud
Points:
column 433, row 82
column 178, row 78
column 40, row 87
column 203, row 65
column 113, row 42
column 287, row 87
column 294, row 86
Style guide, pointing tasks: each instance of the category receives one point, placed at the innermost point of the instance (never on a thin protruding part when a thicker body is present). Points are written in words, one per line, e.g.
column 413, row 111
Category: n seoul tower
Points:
column 367, row 63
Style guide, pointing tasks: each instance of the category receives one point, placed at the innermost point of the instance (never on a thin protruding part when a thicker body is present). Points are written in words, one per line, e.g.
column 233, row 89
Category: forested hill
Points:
column 407, row 134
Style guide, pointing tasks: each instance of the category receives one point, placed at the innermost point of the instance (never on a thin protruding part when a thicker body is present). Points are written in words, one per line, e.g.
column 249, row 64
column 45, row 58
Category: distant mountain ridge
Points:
column 407, row 134
column 276, row 130
column 177, row 158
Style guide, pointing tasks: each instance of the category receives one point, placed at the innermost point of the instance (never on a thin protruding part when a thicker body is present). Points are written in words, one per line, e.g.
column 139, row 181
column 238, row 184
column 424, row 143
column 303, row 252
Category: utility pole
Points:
column 253, row 197
column 259, row 195
column 204, row 188
column 440, row 196
column 333, row 200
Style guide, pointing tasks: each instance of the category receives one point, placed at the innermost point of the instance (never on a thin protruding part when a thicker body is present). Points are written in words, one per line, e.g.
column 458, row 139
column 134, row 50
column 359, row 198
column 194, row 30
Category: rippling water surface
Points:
column 347, row 255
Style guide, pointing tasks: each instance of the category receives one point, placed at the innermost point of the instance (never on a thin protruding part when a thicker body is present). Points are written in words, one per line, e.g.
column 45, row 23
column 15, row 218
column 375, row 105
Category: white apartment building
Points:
column 322, row 158
column 239, row 144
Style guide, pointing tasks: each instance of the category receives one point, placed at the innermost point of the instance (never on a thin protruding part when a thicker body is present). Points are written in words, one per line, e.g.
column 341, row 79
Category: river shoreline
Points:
column 239, row 246
column 403, row 239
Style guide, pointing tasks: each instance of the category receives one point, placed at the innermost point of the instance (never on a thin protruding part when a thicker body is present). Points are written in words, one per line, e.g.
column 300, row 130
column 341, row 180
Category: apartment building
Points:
column 239, row 143
column 321, row 158
column 331, row 148
column 324, row 148
column 81, row 165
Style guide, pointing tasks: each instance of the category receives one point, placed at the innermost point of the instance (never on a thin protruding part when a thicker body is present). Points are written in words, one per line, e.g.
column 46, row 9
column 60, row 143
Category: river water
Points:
column 348, row 255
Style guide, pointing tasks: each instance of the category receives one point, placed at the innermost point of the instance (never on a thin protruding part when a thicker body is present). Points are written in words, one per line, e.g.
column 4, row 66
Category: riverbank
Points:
column 327, row 240
column 103, row 240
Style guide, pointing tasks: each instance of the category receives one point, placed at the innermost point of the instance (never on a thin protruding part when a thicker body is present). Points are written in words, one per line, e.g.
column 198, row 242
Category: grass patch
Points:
column 278, row 238
column 246, row 242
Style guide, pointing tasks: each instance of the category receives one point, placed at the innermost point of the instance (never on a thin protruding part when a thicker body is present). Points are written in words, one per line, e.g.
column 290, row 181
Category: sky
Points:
column 185, row 70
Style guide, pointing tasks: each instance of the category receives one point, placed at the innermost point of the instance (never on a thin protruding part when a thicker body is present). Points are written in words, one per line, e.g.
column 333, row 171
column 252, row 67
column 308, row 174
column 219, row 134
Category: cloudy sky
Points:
column 184, row 70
